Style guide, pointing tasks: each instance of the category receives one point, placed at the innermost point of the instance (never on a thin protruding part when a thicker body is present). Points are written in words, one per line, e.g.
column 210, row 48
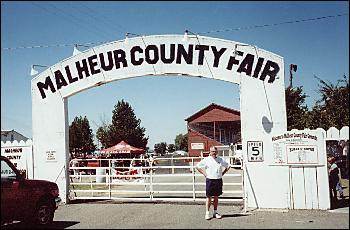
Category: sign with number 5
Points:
column 255, row 151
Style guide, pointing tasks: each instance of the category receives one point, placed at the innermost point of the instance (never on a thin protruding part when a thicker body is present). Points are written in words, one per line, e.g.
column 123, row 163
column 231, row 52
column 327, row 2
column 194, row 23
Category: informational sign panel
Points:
column 197, row 145
column 296, row 148
column 20, row 154
column 16, row 155
column 50, row 155
column 299, row 154
column 255, row 151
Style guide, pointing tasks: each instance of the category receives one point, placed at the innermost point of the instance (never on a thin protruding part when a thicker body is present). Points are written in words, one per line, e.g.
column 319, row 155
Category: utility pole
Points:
column 292, row 67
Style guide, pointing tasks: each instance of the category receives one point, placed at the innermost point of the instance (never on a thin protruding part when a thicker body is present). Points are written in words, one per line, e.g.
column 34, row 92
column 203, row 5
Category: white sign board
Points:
column 197, row 145
column 302, row 154
column 16, row 155
column 255, row 151
column 50, row 155
column 20, row 154
column 296, row 148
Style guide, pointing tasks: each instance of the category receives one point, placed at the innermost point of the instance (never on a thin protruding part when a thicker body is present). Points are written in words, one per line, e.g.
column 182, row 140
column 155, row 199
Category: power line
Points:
column 213, row 31
column 67, row 17
column 88, row 13
column 274, row 24
column 48, row 9
column 56, row 45
column 111, row 23
column 79, row 20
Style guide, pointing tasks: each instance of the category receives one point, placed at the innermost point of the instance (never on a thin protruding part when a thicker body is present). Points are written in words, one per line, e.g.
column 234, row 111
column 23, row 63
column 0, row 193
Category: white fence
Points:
column 335, row 134
column 165, row 179
column 309, row 184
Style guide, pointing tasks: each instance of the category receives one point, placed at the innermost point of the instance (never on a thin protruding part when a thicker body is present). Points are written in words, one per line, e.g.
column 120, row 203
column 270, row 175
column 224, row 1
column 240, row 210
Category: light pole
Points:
column 292, row 67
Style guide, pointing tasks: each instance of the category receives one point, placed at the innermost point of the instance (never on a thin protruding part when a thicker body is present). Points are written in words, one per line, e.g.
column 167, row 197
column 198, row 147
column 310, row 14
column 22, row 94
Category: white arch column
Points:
column 263, row 115
column 51, row 142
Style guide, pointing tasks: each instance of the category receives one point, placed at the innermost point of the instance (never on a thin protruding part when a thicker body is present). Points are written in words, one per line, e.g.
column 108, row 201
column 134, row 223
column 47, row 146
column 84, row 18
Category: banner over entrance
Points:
column 118, row 57
column 259, row 73
column 158, row 56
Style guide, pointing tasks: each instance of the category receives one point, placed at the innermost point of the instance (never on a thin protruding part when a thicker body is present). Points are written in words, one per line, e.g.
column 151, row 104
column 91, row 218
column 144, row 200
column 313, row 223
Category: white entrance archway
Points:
column 259, row 73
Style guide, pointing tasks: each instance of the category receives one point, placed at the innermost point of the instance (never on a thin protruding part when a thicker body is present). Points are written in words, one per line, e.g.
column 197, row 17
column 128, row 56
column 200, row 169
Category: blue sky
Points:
column 318, row 47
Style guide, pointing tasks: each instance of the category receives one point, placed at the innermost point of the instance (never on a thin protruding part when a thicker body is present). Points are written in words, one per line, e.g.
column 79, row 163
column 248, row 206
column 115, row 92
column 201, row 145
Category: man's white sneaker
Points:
column 207, row 216
column 217, row 216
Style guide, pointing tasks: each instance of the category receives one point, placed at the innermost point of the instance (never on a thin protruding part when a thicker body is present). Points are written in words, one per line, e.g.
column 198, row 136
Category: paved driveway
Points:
column 112, row 214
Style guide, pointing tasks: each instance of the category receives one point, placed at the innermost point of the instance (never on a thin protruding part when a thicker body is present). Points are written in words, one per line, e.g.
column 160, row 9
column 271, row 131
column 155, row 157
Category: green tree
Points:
column 332, row 110
column 171, row 148
column 160, row 148
column 102, row 134
column 296, row 108
column 81, row 136
column 181, row 142
column 125, row 126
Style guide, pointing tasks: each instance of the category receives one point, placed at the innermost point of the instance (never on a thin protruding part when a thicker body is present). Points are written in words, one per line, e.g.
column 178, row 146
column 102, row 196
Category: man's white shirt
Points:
column 213, row 166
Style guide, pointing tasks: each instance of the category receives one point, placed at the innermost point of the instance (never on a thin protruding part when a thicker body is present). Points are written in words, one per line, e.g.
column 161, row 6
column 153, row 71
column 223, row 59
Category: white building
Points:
column 19, row 150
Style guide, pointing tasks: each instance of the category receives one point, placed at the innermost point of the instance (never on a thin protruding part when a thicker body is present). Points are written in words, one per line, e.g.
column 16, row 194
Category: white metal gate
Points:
column 161, row 179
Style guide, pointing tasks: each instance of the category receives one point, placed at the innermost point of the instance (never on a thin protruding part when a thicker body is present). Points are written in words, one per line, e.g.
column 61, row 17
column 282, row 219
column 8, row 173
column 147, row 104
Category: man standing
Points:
column 333, row 172
column 211, row 167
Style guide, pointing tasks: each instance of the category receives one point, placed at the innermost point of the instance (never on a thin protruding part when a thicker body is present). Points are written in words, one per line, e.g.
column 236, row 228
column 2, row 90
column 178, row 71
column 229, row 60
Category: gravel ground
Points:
column 112, row 215
column 118, row 215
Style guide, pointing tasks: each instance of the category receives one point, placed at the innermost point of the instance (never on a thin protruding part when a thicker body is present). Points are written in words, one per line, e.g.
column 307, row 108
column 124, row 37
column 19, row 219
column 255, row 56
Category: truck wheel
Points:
column 44, row 212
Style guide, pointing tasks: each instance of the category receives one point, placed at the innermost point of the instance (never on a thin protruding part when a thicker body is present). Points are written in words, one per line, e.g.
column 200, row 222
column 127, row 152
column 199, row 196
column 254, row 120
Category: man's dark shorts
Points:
column 213, row 187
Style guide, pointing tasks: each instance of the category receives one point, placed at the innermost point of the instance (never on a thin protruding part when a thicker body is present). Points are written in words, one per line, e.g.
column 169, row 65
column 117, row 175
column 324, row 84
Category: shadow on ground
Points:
column 53, row 225
column 112, row 201
column 234, row 215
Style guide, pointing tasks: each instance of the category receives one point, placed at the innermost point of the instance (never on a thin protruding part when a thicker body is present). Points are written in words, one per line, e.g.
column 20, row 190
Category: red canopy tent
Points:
column 122, row 147
column 123, row 150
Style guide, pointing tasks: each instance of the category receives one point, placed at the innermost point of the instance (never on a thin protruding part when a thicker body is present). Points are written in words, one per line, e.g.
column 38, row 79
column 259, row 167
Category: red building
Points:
column 215, row 125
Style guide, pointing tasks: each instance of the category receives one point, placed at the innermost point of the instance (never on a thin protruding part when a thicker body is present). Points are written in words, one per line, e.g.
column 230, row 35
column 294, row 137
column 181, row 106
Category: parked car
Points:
column 31, row 201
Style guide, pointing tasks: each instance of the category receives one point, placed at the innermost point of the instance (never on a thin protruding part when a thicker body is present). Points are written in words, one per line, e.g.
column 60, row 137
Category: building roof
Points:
column 5, row 133
column 209, row 108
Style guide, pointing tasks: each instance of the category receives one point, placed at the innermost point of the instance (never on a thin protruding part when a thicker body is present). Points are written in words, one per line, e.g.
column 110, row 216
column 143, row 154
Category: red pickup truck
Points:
column 31, row 201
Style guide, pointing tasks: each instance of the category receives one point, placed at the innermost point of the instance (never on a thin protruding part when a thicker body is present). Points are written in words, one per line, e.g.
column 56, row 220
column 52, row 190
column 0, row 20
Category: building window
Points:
column 12, row 137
